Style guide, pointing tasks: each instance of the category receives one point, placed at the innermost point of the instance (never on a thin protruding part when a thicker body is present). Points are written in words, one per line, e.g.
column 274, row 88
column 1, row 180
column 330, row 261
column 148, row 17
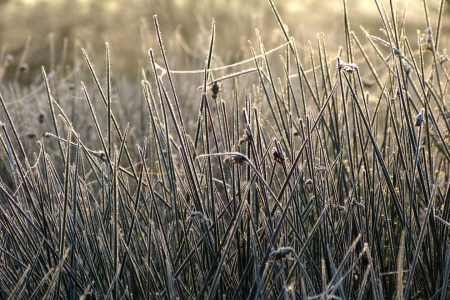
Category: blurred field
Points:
column 127, row 25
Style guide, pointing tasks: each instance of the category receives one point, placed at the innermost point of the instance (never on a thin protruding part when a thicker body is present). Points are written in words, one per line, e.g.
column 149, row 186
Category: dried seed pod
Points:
column 100, row 154
column 419, row 118
column 23, row 67
column 234, row 160
column 364, row 259
column 339, row 208
column 243, row 139
column 248, row 136
column 356, row 203
column 347, row 67
column 426, row 40
column 281, row 253
column 278, row 156
column 215, row 90
column 277, row 153
column 41, row 118
column 320, row 169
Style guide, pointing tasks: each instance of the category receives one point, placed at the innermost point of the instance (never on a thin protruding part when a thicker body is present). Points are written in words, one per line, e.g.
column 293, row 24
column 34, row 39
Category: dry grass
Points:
column 312, row 171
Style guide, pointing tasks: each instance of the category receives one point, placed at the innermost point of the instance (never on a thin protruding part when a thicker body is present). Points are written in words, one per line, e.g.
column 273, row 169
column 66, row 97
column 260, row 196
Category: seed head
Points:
column 339, row 208
column 347, row 67
column 41, row 118
column 278, row 156
column 215, row 90
column 419, row 118
column 247, row 136
column 364, row 259
column 234, row 160
column 23, row 67
column 356, row 203
column 281, row 253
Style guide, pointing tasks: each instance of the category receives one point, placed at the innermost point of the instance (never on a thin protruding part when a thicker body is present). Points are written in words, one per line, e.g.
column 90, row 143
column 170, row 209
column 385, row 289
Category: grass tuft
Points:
column 300, row 177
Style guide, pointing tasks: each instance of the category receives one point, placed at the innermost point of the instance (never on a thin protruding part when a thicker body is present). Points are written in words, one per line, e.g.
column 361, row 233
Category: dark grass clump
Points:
column 297, row 178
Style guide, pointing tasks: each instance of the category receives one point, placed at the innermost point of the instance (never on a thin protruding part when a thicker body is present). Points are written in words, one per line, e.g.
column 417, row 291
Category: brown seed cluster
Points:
column 419, row 118
column 247, row 136
column 356, row 203
column 427, row 40
column 234, row 160
column 278, row 156
column 215, row 90
column 347, row 67
column 339, row 208
column 281, row 253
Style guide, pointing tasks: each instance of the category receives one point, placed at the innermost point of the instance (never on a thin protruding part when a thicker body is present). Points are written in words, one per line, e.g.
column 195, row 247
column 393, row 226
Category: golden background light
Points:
column 127, row 26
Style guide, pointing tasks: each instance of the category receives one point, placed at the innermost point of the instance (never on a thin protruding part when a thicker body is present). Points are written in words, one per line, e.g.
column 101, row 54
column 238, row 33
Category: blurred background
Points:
column 51, row 32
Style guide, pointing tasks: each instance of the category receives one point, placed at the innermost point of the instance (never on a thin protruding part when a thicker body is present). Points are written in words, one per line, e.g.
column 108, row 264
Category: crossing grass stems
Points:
column 314, row 177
